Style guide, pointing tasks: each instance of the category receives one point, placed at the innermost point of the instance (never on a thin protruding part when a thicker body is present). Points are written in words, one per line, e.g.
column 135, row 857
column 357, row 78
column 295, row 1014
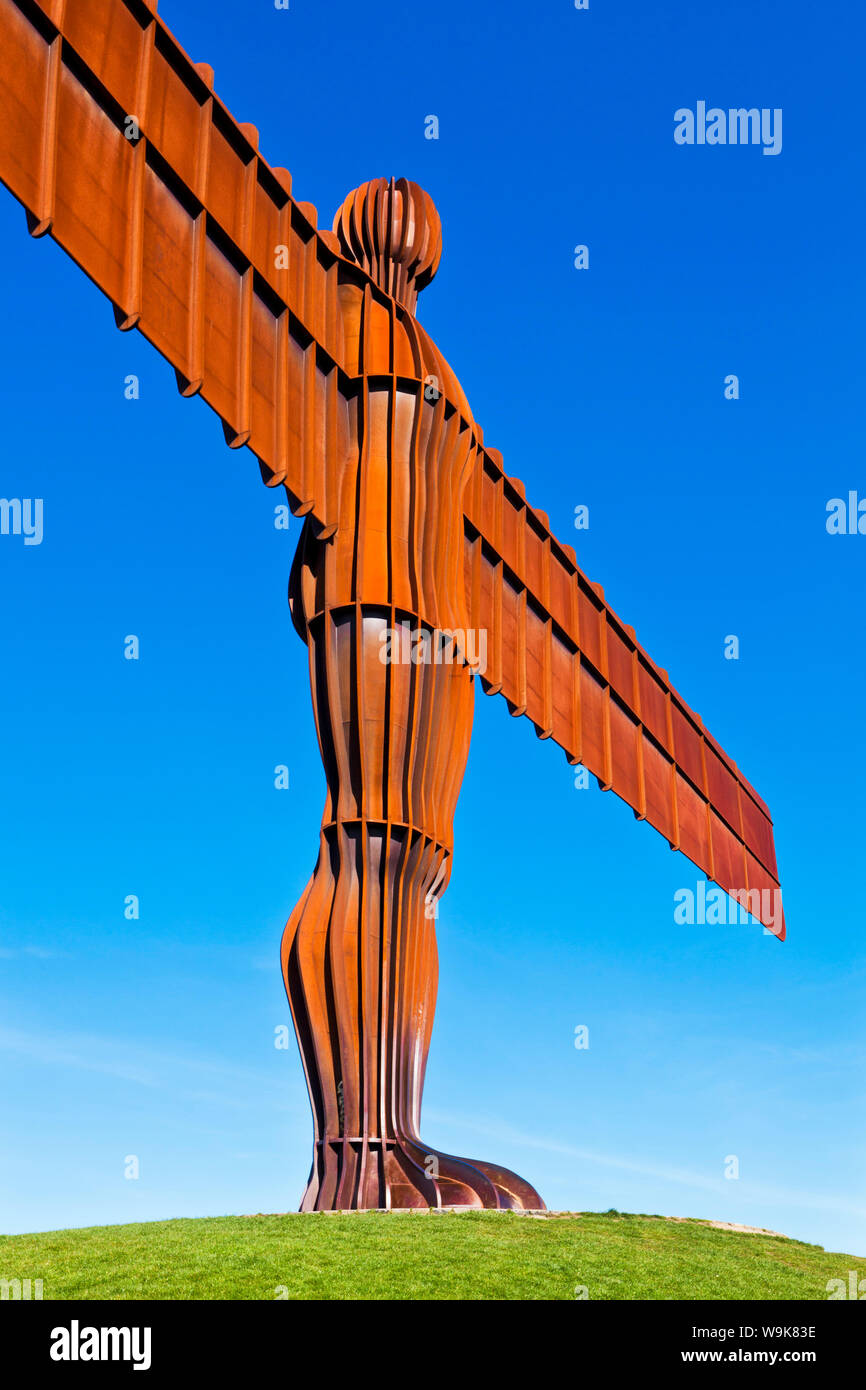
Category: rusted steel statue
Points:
column 415, row 543
column 359, row 952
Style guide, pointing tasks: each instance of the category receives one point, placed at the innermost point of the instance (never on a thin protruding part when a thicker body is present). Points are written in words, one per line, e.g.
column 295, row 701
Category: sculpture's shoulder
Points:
column 439, row 375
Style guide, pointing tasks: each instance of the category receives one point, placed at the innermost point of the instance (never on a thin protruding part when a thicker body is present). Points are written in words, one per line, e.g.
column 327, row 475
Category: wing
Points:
column 561, row 656
column 117, row 146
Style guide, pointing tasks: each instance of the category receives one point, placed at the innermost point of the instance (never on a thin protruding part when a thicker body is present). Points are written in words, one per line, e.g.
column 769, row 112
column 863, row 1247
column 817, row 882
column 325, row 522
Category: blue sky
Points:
column 707, row 518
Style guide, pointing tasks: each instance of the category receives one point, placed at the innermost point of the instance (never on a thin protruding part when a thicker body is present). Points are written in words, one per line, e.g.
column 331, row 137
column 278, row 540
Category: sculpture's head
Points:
column 391, row 228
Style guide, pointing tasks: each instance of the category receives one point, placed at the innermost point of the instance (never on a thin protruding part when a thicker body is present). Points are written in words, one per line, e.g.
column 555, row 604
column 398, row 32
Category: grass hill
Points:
column 438, row 1255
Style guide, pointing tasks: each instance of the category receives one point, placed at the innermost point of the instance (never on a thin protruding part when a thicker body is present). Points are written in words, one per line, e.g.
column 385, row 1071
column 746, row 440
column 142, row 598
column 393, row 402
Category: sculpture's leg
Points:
column 359, row 951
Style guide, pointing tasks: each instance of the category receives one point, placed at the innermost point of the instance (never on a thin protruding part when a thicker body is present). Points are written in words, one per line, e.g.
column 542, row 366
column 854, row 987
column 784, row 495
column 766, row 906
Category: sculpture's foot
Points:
column 372, row 1174
column 469, row 1182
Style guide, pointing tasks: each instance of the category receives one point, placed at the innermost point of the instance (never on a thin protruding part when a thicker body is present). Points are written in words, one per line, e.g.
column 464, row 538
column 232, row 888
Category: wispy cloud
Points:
column 35, row 952
column 181, row 1073
column 683, row 1177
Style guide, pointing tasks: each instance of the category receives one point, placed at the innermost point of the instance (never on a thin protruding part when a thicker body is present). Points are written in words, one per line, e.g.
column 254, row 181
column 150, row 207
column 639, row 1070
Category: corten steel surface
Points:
column 306, row 345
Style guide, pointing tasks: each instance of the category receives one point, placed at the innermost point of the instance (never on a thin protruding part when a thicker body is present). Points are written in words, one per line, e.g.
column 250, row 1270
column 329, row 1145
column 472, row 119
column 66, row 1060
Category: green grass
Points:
column 475, row 1255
